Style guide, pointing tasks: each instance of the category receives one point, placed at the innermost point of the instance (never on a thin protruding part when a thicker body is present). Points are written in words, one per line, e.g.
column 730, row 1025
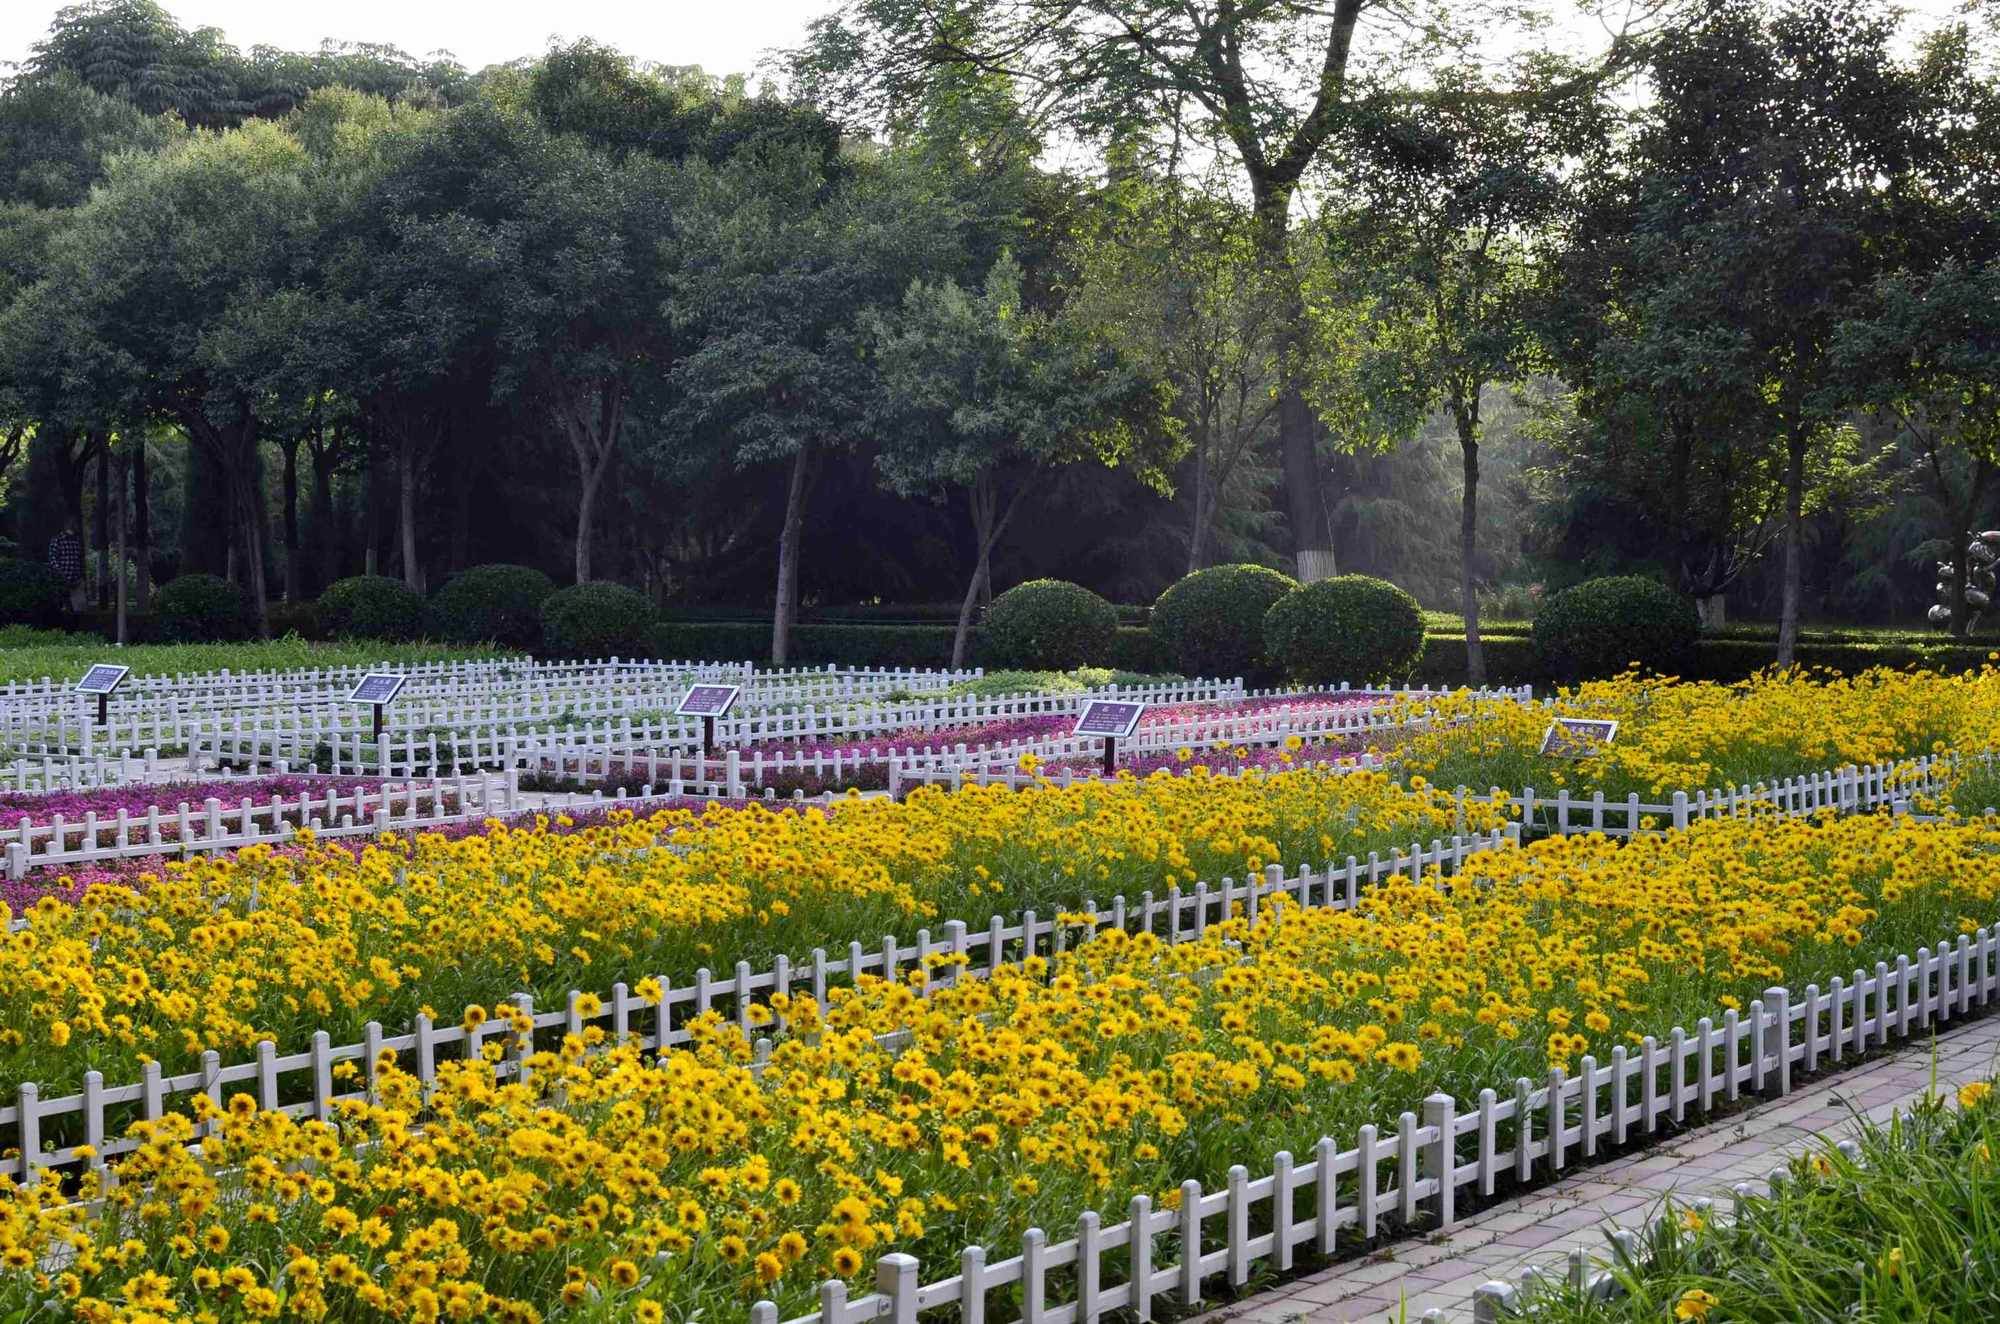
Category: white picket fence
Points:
column 468, row 741
column 215, row 826
column 1846, row 790
column 301, row 1083
column 44, row 718
column 1419, row 1171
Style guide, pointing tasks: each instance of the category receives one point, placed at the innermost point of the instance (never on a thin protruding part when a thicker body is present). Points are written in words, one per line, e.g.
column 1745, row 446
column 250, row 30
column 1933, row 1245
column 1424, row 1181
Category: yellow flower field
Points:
column 221, row 953
column 616, row 1185
column 1676, row 735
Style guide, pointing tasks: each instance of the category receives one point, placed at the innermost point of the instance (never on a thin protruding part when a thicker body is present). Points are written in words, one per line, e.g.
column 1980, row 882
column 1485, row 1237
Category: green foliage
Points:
column 1602, row 626
column 500, row 603
column 1353, row 628
column 1212, row 622
column 30, row 593
column 1049, row 625
column 1906, row 1228
column 597, row 620
column 370, row 607
column 27, row 654
column 200, row 609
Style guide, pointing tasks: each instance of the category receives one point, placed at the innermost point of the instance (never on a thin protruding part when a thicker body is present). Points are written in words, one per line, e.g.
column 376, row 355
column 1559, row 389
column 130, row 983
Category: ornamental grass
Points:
column 945, row 1110
column 220, row 953
column 1905, row 1229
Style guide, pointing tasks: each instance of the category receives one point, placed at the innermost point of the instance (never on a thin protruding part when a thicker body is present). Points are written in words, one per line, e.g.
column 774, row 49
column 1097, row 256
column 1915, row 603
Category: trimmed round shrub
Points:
column 500, row 603
column 370, row 607
column 1212, row 622
column 1048, row 625
column 1353, row 628
column 198, row 609
column 30, row 594
column 1602, row 626
column 596, row 620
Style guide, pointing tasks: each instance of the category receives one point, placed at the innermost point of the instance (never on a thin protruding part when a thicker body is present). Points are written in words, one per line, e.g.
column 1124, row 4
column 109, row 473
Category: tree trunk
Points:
column 325, row 535
column 371, row 556
column 291, row 447
column 988, row 523
column 101, row 524
column 142, row 523
column 1713, row 610
column 586, row 519
column 118, row 524
column 1794, row 574
column 406, row 510
column 786, row 606
column 1204, row 505
column 1468, row 545
column 1312, row 542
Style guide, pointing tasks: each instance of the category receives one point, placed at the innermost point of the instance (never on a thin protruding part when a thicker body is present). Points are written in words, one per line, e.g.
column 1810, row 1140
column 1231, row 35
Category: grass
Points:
column 1907, row 1230
column 28, row 654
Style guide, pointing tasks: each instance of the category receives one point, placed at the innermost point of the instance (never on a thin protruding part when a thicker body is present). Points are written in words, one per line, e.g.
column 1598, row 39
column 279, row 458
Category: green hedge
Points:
column 1132, row 648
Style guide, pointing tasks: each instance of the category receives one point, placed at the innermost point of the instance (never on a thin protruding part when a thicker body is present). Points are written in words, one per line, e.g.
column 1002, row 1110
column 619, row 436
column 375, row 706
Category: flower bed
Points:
column 1686, row 736
column 631, row 1186
column 220, row 953
column 1902, row 1224
column 38, row 807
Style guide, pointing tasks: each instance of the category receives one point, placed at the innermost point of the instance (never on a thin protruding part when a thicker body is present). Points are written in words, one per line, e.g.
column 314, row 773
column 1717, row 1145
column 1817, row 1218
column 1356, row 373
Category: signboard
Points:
column 1112, row 720
column 377, row 687
column 707, row 700
column 102, row 678
column 1577, row 737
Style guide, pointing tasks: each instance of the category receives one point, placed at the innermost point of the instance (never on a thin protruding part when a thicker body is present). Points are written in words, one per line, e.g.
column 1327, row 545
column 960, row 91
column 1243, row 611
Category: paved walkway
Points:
column 1440, row 1273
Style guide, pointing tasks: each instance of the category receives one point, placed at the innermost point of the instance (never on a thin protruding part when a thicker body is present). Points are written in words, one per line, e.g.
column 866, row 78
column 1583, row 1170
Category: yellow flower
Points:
column 1695, row 1303
column 1974, row 1094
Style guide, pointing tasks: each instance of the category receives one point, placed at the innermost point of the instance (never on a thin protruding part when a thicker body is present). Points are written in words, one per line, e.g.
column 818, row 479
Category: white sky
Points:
column 722, row 36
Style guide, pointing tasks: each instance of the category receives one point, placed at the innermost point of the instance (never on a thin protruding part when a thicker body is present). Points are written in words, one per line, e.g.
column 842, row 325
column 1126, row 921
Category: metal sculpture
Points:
column 1982, row 568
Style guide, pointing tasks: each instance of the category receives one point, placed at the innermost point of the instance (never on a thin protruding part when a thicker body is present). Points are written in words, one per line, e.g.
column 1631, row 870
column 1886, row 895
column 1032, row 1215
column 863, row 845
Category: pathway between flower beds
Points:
column 1441, row 1273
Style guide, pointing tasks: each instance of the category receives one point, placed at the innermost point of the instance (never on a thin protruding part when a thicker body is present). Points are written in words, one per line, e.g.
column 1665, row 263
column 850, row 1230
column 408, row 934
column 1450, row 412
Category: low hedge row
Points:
column 1132, row 648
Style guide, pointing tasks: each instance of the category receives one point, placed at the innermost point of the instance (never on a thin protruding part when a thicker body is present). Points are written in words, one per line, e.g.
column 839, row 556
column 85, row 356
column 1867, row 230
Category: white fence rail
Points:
column 214, row 826
column 1420, row 1170
column 301, row 1083
column 44, row 718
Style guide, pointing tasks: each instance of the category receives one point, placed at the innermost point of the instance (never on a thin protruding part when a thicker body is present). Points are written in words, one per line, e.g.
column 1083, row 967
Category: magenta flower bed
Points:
column 1044, row 726
column 41, row 806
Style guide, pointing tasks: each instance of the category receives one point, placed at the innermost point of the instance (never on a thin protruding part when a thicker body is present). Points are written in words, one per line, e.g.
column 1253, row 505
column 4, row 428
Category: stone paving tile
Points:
column 1442, row 1272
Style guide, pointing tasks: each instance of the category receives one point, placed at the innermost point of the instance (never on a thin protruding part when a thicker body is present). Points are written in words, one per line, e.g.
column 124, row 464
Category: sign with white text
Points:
column 1577, row 737
column 102, row 678
column 377, row 687
column 1111, row 719
column 707, row 700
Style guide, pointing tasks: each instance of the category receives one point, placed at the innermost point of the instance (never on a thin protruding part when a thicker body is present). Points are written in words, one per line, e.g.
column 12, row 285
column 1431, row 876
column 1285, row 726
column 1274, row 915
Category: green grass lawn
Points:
column 27, row 654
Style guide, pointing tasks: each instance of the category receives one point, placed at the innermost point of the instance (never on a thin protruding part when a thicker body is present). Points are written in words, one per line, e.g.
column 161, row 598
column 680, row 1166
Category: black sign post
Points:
column 101, row 679
column 377, row 689
column 1112, row 719
column 707, row 702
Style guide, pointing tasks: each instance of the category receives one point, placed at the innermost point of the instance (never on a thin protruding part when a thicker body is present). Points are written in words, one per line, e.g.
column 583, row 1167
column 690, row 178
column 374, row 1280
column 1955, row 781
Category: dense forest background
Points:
column 1721, row 307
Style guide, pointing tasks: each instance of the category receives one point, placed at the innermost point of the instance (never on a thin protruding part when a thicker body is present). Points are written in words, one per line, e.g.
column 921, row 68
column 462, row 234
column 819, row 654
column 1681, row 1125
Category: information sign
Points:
column 377, row 687
column 1577, row 737
column 708, row 700
column 1112, row 720
column 102, row 678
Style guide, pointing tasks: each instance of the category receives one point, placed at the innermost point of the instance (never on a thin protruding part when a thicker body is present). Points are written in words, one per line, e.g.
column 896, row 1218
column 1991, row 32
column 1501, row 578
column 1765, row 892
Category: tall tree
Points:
column 984, row 395
column 1268, row 85
column 773, row 271
column 1453, row 189
column 1169, row 272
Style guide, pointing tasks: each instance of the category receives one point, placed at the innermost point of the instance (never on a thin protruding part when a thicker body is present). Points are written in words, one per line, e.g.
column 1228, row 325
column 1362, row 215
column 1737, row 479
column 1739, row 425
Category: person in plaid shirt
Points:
column 66, row 559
